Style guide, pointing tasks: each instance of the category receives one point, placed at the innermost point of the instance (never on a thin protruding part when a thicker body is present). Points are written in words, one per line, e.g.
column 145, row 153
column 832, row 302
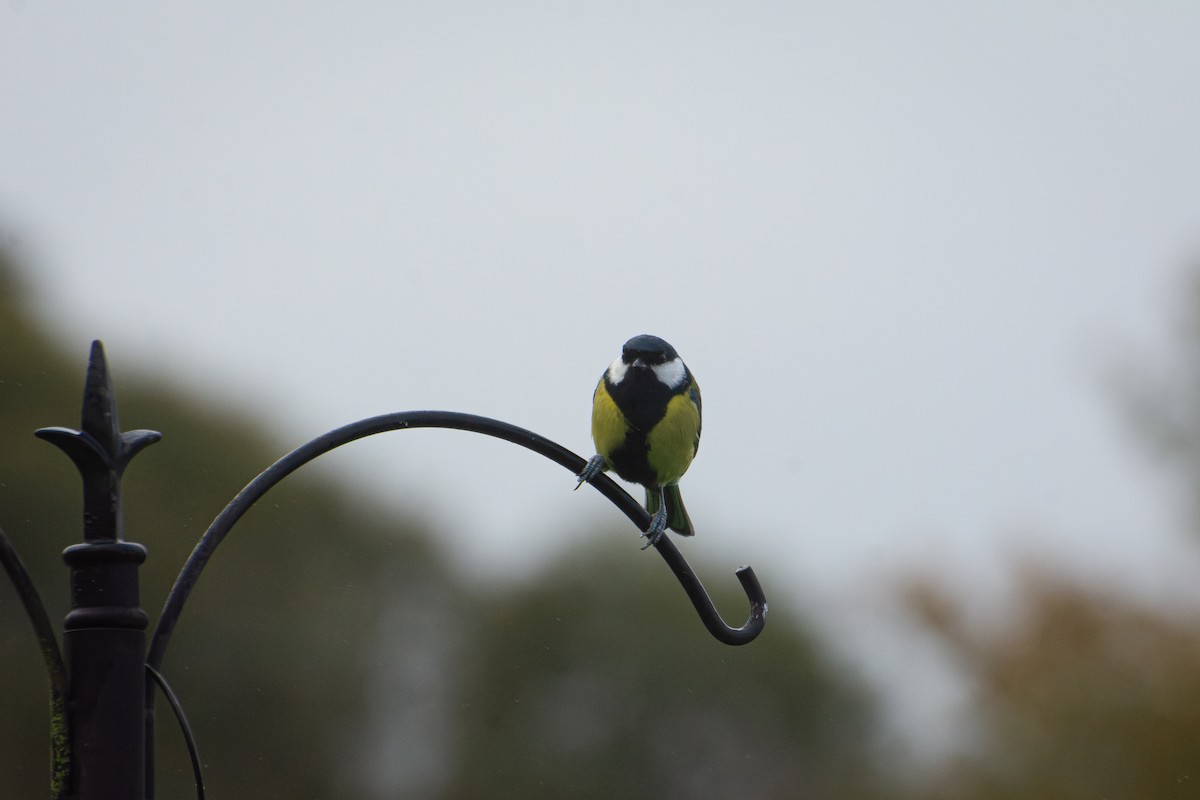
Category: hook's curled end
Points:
column 703, row 604
column 753, row 626
column 754, row 592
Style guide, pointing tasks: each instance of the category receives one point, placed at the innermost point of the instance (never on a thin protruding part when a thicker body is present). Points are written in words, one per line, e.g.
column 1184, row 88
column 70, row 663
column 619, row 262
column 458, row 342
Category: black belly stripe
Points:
column 643, row 399
column 631, row 462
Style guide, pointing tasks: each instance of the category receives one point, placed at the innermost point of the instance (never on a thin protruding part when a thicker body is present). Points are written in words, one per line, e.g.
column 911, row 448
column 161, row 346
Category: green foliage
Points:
column 326, row 652
column 272, row 651
column 599, row 682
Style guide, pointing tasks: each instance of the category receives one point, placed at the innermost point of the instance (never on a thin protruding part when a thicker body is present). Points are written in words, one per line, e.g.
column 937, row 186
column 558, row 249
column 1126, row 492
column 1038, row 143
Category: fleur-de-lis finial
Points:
column 100, row 450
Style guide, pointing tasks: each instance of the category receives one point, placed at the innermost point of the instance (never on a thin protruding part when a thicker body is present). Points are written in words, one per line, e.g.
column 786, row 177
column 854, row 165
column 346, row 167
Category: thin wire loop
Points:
column 184, row 727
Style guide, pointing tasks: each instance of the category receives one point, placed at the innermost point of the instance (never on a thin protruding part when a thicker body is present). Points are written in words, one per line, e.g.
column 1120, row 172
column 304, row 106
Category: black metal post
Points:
column 104, row 639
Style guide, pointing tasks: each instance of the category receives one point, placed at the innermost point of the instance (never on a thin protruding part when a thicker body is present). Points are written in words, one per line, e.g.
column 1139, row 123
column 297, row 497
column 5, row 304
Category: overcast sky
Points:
column 901, row 246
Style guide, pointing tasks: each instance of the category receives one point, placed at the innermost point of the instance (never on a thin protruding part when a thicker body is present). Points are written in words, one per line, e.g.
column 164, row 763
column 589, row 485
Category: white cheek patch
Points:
column 616, row 371
column 671, row 373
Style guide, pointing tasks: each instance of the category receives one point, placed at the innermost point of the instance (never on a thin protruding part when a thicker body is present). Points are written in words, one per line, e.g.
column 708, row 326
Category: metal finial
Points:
column 99, row 415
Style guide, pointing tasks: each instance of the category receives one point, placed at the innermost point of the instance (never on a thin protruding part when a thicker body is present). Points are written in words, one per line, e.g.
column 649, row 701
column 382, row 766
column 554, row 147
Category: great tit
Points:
column 646, row 427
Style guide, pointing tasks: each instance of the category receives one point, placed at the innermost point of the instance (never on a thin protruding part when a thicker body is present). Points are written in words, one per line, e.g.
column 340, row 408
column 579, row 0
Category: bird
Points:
column 646, row 428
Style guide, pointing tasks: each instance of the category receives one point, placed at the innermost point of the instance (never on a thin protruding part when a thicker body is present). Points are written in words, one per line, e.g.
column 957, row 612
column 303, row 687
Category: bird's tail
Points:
column 677, row 516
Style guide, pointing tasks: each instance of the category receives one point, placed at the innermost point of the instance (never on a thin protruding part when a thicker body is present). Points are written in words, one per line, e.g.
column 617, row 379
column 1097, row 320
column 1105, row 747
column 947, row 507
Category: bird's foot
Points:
column 594, row 467
column 658, row 526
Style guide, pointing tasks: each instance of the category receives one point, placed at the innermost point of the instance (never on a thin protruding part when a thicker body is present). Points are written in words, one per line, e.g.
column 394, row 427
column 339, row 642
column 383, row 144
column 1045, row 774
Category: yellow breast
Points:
column 674, row 440
column 609, row 425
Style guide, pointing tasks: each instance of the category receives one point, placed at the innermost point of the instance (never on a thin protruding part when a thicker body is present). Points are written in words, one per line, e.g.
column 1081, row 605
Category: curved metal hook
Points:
column 458, row 421
column 60, row 743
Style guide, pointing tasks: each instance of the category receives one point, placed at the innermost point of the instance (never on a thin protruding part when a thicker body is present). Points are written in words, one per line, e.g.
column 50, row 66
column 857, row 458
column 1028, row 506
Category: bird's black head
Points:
column 650, row 349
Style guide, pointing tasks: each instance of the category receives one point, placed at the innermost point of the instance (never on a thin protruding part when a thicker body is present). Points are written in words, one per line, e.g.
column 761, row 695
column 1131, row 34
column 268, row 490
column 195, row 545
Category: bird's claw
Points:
column 658, row 526
column 594, row 467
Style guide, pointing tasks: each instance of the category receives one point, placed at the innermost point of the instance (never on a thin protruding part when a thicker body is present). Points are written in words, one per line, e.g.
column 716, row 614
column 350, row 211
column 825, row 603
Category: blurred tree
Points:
column 1084, row 695
column 599, row 682
column 1163, row 405
column 277, row 653
column 1087, row 693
